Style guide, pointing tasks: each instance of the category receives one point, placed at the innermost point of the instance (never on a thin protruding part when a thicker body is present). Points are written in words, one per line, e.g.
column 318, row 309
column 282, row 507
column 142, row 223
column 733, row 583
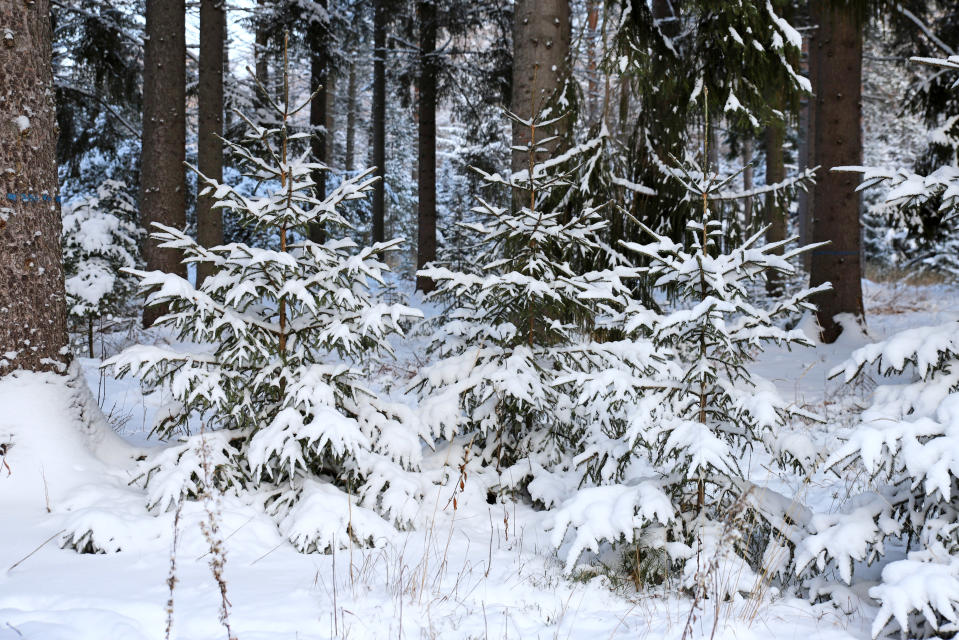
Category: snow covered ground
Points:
column 467, row 570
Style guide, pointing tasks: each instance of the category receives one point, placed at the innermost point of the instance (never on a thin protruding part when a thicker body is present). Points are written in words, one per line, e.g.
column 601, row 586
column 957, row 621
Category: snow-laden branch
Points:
column 800, row 179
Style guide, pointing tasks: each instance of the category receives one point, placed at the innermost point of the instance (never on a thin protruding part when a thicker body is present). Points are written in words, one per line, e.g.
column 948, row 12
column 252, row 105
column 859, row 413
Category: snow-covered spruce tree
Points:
column 100, row 239
column 701, row 422
column 907, row 443
column 519, row 322
column 275, row 381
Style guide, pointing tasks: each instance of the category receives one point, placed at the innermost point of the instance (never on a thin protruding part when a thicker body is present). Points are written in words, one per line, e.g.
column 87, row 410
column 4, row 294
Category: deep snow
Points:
column 476, row 571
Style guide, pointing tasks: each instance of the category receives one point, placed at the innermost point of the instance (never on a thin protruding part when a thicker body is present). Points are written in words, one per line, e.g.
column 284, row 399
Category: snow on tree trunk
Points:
column 541, row 40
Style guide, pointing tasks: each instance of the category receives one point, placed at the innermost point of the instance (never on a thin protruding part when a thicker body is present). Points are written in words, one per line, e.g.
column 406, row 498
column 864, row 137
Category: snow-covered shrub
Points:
column 520, row 322
column 698, row 421
column 908, row 443
column 100, row 238
column 280, row 344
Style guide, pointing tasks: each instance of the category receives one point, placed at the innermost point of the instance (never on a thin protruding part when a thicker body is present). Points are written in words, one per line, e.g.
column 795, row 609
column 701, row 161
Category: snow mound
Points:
column 610, row 513
column 325, row 518
column 54, row 439
column 60, row 456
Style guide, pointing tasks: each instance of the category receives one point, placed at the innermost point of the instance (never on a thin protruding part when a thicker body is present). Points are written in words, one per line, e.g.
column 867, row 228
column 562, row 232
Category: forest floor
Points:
column 476, row 571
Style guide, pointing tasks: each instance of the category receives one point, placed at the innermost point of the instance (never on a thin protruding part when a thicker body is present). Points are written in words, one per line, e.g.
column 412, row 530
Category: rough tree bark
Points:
column 33, row 329
column 209, row 220
column 426, row 162
column 163, row 150
column 837, row 141
column 541, row 38
column 379, row 119
column 319, row 59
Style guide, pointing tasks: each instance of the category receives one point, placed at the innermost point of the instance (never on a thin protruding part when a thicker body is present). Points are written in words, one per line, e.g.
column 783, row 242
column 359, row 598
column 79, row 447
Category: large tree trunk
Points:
column 426, row 162
column 350, row 117
column 33, row 329
column 541, row 38
column 209, row 220
column 163, row 150
column 775, row 215
column 318, row 34
column 379, row 119
column 838, row 141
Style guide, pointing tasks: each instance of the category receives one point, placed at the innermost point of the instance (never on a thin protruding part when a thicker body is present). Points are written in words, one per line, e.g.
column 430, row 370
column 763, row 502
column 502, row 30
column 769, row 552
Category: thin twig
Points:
column 18, row 562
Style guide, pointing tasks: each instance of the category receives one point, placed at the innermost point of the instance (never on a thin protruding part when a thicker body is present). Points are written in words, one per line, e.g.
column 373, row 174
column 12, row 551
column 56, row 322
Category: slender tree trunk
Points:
column 260, row 44
column 592, row 20
column 624, row 120
column 838, row 141
column 330, row 115
column 379, row 119
column 350, row 117
column 163, row 149
column 229, row 97
column 748, row 184
column 90, row 335
column 807, row 146
column 33, row 329
column 426, row 244
column 351, row 106
column 209, row 220
column 775, row 215
column 541, row 39
column 319, row 62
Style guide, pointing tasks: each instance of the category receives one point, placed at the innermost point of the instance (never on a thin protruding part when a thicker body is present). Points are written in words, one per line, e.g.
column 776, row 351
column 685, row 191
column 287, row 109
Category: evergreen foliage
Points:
column 520, row 322
column 682, row 458
column 737, row 53
column 97, row 60
column 100, row 240
column 906, row 442
column 276, row 384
